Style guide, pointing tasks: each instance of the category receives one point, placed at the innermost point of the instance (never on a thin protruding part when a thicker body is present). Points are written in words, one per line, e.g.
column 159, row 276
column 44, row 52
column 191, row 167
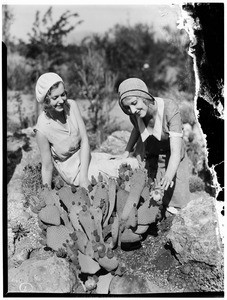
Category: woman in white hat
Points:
column 62, row 137
column 61, row 134
column 157, row 138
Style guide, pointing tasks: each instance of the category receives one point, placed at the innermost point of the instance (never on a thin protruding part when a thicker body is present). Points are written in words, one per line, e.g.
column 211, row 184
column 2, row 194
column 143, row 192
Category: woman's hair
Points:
column 146, row 100
column 46, row 102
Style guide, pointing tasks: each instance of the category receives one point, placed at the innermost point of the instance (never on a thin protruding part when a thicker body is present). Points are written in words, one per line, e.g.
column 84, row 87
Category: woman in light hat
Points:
column 61, row 133
column 157, row 138
column 62, row 137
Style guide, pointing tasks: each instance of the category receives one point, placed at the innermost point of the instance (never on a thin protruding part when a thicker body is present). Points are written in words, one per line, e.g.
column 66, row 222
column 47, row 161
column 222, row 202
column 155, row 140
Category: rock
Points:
column 195, row 234
column 129, row 284
column 15, row 208
column 52, row 275
column 221, row 217
column 25, row 239
column 11, row 247
column 115, row 143
column 41, row 254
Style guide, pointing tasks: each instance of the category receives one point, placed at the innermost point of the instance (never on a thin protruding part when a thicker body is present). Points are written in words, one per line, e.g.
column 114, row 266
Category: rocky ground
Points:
column 151, row 267
column 155, row 261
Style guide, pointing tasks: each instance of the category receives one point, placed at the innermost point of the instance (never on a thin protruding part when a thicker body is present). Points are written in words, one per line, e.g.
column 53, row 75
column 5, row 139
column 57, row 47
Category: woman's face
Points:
column 136, row 106
column 57, row 98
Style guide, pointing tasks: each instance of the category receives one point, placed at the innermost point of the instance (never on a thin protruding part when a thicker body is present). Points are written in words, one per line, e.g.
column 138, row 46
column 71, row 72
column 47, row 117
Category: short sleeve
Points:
column 40, row 125
column 173, row 118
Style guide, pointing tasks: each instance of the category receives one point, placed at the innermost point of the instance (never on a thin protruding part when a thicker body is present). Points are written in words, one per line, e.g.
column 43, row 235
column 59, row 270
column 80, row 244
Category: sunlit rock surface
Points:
column 195, row 233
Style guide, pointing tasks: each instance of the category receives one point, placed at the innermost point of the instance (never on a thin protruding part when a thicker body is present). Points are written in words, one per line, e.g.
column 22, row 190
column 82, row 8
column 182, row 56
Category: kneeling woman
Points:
column 157, row 134
column 62, row 137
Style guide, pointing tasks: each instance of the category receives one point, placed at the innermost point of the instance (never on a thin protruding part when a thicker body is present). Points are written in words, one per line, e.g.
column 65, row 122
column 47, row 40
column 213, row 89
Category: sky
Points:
column 97, row 18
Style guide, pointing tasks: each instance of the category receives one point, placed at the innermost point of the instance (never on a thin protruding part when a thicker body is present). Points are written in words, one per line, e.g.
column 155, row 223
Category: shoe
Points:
column 172, row 210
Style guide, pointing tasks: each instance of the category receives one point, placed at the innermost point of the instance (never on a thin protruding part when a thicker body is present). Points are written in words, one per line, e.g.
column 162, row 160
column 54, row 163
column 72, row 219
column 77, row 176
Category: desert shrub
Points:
column 196, row 184
column 20, row 111
column 18, row 72
column 13, row 126
column 185, row 102
column 197, row 156
column 97, row 86
column 187, row 112
column 32, row 181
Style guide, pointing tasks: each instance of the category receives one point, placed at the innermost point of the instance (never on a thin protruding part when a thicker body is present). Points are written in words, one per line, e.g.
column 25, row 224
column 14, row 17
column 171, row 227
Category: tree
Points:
column 7, row 20
column 45, row 50
column 46, row 42
column 133, row 51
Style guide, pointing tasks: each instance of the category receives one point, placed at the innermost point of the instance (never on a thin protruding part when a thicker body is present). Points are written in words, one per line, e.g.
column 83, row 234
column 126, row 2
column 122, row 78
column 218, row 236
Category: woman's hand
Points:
column 166, row 182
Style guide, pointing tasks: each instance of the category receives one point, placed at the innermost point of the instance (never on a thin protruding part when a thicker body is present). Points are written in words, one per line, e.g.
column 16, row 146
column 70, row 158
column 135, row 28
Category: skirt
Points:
column 179, row 195
column 100, row 163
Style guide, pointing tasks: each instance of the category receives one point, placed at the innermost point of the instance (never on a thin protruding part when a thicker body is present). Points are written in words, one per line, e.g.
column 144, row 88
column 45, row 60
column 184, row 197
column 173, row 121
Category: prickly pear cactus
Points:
column 88, row 225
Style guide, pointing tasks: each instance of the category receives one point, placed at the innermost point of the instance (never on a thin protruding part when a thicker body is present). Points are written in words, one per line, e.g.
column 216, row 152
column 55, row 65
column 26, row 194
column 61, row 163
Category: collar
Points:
column 145, row 132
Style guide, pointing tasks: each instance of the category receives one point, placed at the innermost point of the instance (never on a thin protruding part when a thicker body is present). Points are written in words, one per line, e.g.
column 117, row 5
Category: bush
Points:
column 196, row 184
column 197, row 156
column 32, row 181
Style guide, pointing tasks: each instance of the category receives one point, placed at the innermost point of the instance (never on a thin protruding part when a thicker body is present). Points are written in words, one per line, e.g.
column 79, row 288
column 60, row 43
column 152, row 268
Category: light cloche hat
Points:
column 44, row 83
column 132, row 87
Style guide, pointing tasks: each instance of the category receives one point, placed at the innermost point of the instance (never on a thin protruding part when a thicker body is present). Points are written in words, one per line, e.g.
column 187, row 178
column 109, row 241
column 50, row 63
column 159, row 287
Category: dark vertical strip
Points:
column 4, row 170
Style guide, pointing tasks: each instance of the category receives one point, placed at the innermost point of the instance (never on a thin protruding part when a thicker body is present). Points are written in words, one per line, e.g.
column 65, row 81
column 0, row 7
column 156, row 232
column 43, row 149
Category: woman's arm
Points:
column 132, row 141
column 47, row 164
column 85, row 154
column 174, row 161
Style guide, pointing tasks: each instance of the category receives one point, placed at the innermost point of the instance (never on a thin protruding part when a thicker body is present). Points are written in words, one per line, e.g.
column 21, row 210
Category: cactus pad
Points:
column 103, row 284
column 112, row 196
column 147, row 214
column 87, row 264
column 108, row 264
column 57, row 236
column 97, row 220
column 128, row 236
column 50, row 215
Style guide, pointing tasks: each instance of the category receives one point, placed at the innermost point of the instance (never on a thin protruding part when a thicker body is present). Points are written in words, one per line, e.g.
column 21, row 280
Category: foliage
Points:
column 185, row 103
column 196, row 184
column 32, row 181
column 45, row 49
column 19, row 231
column 18, row 73
column 88, row 225
column 134, row 52
column 43, row 43
column 197, row 155
column 7, row 20
column 96, row 85
column 93, row 69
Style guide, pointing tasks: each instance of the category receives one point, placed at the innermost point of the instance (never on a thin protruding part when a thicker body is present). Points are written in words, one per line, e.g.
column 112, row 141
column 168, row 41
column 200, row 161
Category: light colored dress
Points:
column 65, row 148
column 154, row 146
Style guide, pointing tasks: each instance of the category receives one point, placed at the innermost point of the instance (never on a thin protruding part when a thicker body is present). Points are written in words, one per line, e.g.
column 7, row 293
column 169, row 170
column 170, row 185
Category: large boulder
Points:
column 195, row 233
column 52, row 275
